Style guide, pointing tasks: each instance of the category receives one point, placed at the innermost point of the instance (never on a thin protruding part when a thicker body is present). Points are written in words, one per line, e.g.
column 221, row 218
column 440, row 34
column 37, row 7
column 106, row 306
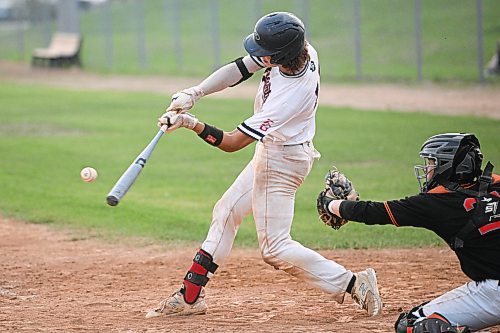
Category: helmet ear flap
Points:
column 467, row 164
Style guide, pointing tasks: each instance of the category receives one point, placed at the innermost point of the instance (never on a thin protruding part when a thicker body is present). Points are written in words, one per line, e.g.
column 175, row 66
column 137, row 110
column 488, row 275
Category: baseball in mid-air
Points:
column 88, row 174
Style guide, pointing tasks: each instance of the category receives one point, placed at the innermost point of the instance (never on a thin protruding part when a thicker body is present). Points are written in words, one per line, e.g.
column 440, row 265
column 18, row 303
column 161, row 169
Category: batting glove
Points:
column 184, row 100
column 170, row 121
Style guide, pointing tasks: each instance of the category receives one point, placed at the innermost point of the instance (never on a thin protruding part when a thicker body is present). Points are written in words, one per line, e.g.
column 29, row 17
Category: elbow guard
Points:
column 245, row 74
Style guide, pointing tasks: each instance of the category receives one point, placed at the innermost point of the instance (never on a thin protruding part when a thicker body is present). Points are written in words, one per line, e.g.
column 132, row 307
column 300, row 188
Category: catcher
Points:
column 459, row 202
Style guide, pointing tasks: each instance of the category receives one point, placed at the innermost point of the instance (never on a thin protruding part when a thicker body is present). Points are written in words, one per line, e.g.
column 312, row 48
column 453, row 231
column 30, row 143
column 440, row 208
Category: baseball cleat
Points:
column 176, row 306
column 365, row 292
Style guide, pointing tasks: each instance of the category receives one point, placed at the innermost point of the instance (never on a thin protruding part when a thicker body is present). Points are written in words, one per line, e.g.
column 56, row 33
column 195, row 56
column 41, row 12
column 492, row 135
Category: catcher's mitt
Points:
column 338, row 187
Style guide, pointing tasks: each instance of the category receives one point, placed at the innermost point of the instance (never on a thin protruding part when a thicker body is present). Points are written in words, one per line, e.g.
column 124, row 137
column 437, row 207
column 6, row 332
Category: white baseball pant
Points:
column 475, row 305
column 267, row 187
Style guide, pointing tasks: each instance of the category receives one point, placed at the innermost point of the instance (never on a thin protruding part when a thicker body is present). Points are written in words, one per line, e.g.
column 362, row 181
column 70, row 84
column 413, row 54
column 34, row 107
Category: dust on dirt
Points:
column 53, row 280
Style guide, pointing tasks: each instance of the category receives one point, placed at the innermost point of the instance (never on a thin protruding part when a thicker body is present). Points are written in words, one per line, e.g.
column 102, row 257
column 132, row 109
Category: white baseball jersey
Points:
column 284, row 107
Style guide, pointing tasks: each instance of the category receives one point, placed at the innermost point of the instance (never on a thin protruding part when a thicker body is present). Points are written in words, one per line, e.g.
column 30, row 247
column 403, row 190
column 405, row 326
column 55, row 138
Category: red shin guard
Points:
column 196, row 278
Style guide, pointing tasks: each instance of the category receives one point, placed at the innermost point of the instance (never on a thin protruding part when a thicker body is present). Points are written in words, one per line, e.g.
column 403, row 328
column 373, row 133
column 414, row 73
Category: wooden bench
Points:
column 64, row 50
column 493, row 66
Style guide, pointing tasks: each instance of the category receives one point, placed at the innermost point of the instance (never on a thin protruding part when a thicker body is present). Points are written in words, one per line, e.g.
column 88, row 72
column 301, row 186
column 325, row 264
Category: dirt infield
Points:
column 54, row 281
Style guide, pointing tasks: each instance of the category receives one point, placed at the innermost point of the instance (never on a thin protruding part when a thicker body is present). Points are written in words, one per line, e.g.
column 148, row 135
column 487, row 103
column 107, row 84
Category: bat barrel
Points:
column 125, row 182
column 112, row 200
column 130, row 175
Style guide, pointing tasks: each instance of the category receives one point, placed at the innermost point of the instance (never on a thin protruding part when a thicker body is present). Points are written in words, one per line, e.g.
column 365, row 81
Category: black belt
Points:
column 307, row 143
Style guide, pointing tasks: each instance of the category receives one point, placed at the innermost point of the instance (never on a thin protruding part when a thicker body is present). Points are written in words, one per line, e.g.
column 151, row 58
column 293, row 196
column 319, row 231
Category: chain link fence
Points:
column 364, row 40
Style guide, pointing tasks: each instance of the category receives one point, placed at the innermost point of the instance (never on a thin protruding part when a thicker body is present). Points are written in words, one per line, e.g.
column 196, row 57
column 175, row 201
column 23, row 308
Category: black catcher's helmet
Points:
column 457, row 159
column 279, row 35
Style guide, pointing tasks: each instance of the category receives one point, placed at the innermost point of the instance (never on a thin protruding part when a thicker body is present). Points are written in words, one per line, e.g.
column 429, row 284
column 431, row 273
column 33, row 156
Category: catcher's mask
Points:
column 454, row 157
column 280, row 35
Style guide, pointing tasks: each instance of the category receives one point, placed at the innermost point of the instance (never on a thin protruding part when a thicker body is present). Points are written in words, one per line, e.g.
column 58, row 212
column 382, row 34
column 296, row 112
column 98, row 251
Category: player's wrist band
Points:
column 211, row 135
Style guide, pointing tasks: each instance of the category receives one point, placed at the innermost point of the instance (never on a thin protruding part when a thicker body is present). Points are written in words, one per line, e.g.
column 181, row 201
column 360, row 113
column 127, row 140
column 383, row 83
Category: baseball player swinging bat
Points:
column 130, row 175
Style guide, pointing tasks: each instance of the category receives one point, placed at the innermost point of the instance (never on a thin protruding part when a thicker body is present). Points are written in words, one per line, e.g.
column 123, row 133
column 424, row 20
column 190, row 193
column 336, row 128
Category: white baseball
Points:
column 88, row 174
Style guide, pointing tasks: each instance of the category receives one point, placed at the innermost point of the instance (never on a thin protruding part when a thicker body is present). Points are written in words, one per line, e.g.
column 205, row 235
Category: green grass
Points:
column 449, row 36
column 48, row 135
column 388, row 45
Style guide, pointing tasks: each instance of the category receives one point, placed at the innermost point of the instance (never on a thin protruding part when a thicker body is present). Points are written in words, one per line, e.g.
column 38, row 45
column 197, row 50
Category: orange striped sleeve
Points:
column 389, row 212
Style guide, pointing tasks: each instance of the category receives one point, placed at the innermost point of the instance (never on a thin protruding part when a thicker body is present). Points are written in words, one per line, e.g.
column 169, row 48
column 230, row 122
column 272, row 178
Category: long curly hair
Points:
column 297, row 63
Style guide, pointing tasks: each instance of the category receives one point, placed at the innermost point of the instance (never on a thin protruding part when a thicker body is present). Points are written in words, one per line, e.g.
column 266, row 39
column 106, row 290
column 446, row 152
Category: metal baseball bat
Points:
column 130, row 175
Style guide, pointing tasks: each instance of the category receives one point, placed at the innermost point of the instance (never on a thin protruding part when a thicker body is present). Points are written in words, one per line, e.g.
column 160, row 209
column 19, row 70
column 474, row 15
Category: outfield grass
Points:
column 387, row 29
column 387, row 36
column 48, row 135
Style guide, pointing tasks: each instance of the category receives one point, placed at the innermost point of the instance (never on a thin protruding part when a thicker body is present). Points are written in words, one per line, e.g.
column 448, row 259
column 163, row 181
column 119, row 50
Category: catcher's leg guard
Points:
column 435, row 323
column 401, row 325
column 408, row 322
column 196, row 278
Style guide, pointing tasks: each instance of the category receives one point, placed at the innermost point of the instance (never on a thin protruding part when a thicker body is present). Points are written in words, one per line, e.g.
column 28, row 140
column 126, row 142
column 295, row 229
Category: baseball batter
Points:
column 459, row 202
column 283, row 125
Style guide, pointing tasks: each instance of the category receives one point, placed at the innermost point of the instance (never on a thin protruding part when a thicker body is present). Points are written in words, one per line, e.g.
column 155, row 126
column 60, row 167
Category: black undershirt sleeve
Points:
column 367, row 212
column 418, row 211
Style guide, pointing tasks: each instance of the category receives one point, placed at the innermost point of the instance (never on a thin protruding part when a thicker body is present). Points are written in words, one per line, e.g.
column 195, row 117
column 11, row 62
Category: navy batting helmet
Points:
column 280, row 35
column 457, row 158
